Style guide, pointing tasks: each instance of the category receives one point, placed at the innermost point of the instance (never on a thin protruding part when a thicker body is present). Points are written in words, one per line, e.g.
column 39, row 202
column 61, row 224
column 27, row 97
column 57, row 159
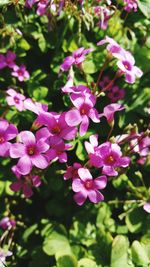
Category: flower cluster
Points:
column 8, row 60
column 125, row 61
column 52, row 134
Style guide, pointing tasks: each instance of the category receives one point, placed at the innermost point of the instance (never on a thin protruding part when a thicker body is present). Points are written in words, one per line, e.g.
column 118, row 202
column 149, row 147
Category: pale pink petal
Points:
column 95, row 196
column 94, row 140
column 42, row 146
column 73, row 117
column 39, row 161
column 4, row 149
column 27, row 137
column 17, row 150
column 3, row 125
column 100, row 182
column 89, row 148
column 42, row 133
column 10, row 101
column 146, row 207
column 84, row 125
column 77, row 185
column 110, row 171
column 84, row 174
column 24, row 165
column 94, row 116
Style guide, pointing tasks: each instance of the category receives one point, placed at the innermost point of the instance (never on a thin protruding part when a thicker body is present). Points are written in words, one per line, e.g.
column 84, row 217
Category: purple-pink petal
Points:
column 80, row 197
column 95, row 196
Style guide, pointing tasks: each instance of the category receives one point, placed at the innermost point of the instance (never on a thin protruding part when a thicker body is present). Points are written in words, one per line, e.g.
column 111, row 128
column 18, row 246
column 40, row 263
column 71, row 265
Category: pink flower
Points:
column 57, row 125
column 78, row 56
column 6, row 223
column 30, row 150
column 104, row 82
column 140, row 145
column 2, row 62
column 30, row 3
column 35, row 107
column 130, row 4
column 107, row 156
column 85, row 187
column 7, row 133
column 10, row 57
column 146, row 207
column 84, row 109
column 72, row 171
column 109, row 111
column 42, row 6
column 113, row 47
column 126, row 65
column 15, row 99
column 25, row 183
column 57, row 150
column 3, row 255
column 20, row 72
column 104, row 14
column 116, row 93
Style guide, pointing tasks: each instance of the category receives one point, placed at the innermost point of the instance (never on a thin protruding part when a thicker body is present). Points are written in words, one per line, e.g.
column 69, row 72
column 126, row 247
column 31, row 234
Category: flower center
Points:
column 2, row 140
column 75, row 173
column 109, row 160
column 20, row 72
column 31, row 150
column 16, row 99
column 127, row 65
column 56, row 129
column 88, row 184
column 84, row 109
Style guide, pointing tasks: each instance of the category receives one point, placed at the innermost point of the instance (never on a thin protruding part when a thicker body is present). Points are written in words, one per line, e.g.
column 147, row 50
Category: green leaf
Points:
column 56, row 243
column 134, row 220
column 119, row 254
column 67, row 261
column 89, row 67
column 24, row 44
column 40, row 92
column 29, row 231
column 85, row 262
column 80, row 152
column 139, row 254
column 144, row 6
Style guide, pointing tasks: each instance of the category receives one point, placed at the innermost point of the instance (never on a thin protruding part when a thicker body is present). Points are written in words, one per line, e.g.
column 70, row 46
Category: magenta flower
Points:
column 35, row 107
column 7, row 133
column 57, row 125
column 140, row 145
column 42, row 6
column 146, row 207
column 30, row 3
column 20, row 72
column 126, row 65
column 104, row 82
column 15, row 99
column 30, row 150
column 25, row 183
column 104, row 14
column 113, row 47
column 84, row 109
column 72, row 171
column 2, row 62
column 115, row 93
column 85, row 187
column 130, row 5
column 107, row 156
column 57, row 150
column 7, row 222
column 10, row 57
column 78, row 56
column 109, row 111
